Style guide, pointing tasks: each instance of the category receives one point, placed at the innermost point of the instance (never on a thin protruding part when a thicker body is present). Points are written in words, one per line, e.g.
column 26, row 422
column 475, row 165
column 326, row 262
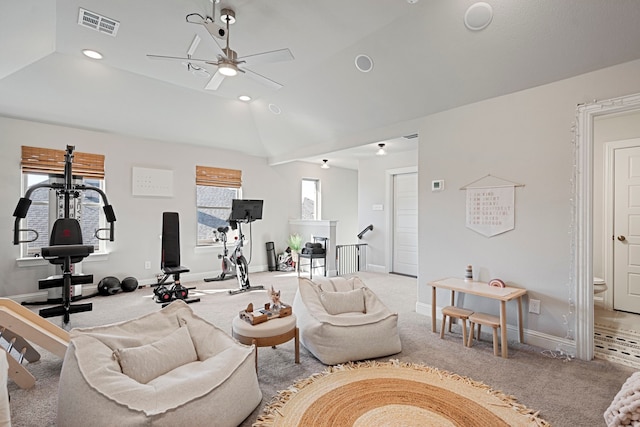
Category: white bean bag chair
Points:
column 341, row 320
column 625, row 407
column 167, row 368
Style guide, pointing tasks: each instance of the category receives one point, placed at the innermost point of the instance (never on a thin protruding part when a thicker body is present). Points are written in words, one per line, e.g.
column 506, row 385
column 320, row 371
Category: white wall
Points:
column 373, row 190
column 139, row 219
column 523, row 137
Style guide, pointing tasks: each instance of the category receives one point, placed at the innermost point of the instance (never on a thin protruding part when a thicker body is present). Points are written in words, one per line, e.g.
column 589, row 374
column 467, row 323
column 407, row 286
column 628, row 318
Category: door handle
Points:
column 622, row 238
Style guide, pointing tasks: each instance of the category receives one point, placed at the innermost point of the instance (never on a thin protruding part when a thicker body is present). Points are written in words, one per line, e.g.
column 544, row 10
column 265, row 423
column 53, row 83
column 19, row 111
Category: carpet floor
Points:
column 566, row 392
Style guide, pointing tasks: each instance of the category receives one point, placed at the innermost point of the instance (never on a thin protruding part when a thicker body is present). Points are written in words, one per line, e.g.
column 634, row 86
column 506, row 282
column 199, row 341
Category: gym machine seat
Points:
column 66, row 248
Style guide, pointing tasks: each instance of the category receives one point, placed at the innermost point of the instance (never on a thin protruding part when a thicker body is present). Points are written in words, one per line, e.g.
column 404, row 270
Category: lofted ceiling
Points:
column 424, row 60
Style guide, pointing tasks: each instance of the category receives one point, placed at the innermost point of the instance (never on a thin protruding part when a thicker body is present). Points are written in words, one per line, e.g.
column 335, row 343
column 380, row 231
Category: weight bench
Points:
column 170, row 263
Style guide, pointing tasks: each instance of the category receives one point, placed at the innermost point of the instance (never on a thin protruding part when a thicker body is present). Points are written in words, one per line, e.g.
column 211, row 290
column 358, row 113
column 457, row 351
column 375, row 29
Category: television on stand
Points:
column 244, row 210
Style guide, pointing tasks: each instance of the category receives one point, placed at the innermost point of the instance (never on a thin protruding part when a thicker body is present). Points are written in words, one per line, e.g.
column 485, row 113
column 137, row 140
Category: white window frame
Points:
column 317, row 200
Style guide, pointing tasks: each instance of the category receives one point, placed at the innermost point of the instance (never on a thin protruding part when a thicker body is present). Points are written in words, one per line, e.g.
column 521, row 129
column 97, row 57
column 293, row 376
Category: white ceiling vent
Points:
column 97, row 22
column 412, row 136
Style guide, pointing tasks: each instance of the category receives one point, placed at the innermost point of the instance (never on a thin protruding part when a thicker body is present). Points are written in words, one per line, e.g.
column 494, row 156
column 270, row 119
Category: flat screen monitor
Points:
column 246, row 210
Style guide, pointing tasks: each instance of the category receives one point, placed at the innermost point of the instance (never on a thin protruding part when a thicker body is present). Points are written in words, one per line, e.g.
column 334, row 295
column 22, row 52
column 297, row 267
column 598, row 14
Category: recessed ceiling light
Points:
column 245, row 98
column 274, row 109
column 364, row 63
column 91, row 54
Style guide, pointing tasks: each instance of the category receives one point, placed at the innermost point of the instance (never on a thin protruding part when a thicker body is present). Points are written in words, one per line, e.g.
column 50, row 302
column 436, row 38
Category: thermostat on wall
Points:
column 437, row 185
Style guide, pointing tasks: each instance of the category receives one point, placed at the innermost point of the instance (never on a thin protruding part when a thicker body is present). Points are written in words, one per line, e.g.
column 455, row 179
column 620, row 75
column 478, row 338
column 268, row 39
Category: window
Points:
column 40, row 165
column 310, row 199
column 215, row 189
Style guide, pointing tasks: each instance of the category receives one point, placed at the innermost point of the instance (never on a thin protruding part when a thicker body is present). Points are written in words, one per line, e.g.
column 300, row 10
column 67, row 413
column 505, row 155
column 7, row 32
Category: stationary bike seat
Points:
column 223, row 229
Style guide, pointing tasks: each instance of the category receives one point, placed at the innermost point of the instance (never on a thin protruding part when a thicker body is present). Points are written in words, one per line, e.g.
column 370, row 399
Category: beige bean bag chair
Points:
column 167, row 368
column 341, row 320
column 625, row 407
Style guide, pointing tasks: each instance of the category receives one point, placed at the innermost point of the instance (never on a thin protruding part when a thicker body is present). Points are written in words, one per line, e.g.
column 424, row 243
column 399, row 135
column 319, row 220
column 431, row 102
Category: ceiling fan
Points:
column 228, row 62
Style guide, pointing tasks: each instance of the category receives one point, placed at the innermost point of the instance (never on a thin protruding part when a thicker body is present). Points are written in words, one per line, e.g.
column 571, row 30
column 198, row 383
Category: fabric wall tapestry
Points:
column 490, row 205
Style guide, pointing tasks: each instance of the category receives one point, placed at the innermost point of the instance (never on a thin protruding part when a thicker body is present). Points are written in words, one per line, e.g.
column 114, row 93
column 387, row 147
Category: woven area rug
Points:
column 393, row 394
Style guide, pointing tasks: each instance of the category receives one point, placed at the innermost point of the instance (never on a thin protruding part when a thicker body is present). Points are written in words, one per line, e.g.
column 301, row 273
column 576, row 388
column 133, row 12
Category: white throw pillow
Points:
column 150, row 361
column 343, row 302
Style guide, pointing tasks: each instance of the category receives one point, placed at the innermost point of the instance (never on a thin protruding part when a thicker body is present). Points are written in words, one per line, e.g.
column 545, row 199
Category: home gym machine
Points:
column 244, row 211
column 65, row 243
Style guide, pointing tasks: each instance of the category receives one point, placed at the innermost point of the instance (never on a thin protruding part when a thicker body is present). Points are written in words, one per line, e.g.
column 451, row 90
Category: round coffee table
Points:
column 267, row 334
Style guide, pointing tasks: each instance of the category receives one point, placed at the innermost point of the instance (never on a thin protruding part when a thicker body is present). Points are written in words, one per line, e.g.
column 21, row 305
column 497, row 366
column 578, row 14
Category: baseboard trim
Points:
column 376, row 268
column 535, row 338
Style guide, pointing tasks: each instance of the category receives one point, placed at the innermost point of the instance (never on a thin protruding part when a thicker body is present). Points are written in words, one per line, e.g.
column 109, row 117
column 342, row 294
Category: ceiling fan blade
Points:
column 194, row 45
column 180, row 58
column 215, row 81
column 266, row 57
column 262, row 79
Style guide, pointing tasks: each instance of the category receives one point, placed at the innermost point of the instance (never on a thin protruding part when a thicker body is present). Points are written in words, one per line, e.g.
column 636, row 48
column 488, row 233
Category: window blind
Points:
column 50, row 161
column 218, row 177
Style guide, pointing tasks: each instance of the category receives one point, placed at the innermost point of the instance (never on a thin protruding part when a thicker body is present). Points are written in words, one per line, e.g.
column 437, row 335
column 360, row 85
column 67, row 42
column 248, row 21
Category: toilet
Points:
column 599, row 285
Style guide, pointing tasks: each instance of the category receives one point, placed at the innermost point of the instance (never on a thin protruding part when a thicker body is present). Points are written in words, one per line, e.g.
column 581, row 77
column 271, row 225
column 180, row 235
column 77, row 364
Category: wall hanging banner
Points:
column 490, row 210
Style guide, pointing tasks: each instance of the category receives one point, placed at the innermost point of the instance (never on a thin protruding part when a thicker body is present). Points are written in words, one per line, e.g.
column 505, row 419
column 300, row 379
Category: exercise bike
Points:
column 242, row 211
column 228, row 264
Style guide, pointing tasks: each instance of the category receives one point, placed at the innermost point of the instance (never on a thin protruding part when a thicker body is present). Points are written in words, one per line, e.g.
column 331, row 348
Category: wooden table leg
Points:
column 503, row 329
column 255, row 343
column 452, row 304
column 520, row 326
column 297, row 344
column 433, row 309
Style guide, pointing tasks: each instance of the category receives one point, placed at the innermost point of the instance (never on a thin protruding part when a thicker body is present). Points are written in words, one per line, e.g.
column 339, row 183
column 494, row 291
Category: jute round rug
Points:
column 393, row 394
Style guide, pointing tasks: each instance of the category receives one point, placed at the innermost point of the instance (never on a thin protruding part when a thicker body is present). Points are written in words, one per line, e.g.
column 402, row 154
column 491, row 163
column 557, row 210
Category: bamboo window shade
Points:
column 218, row 177
column 50, row 161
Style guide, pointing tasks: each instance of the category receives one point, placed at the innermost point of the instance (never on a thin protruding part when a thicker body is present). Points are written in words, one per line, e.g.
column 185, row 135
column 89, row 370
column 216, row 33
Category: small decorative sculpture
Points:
column 275, row 299
column 468, row 276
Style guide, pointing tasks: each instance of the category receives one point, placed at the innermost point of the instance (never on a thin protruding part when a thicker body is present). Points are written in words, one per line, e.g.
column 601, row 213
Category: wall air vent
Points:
column 97, row 22
column 412, row 136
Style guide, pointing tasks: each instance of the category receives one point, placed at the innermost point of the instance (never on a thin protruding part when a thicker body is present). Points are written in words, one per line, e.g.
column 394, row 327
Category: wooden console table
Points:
column 482, row 289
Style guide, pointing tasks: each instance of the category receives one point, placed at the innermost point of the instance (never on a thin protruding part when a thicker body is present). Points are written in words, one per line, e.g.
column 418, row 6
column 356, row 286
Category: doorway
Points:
column 405, row 224
column 583, row 208
column 402, row 221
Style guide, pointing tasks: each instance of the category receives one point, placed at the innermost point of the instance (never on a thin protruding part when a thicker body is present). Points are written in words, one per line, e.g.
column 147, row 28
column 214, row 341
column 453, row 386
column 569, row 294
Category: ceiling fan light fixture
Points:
column 227, row 69
column 227, row 15
column 381, row 151
column 325, row 165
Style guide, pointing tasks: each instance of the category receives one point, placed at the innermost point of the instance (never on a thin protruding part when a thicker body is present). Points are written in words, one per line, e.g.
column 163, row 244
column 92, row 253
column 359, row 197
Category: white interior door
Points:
column 626, row 274
column 405, row 224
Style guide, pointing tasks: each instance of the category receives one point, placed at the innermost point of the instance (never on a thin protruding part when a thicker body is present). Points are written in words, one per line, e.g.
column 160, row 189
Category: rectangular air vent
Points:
column 413, row 135
column 97, row 22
